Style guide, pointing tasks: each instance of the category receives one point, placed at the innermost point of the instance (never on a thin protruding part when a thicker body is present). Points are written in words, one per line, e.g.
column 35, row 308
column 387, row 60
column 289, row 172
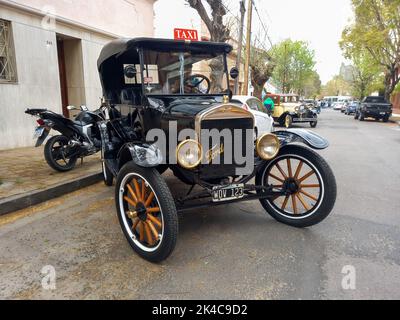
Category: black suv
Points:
column 374, row 107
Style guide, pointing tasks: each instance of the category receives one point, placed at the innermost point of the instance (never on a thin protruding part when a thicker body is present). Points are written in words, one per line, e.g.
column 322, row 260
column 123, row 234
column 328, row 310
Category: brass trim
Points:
column 221, row 112
column 258, row 146
column 200, row 149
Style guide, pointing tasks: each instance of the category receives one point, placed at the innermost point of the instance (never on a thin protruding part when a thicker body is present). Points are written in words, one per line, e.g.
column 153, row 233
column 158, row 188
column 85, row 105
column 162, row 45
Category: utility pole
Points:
column 239, row 52
column 248, row 47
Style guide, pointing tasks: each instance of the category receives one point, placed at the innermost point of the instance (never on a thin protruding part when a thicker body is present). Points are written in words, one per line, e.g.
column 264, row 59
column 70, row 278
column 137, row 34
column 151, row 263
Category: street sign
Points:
column 186, row 34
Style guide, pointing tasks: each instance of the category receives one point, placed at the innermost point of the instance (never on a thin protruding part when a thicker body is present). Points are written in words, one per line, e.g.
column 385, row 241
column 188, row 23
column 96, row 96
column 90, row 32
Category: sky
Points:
column 318, row 22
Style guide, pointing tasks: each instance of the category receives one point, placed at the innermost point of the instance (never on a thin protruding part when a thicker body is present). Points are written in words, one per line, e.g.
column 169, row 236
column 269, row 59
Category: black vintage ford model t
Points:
column 162, row 98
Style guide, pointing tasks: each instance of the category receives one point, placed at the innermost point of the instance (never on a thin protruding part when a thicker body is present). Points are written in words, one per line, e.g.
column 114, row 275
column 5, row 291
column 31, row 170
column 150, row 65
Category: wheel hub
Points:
column 291, row 186
column 141, row 211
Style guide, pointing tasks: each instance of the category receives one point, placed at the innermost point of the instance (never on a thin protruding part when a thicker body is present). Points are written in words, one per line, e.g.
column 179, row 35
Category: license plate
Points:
column 232, row 192
column 383, row 113
column 38, row 132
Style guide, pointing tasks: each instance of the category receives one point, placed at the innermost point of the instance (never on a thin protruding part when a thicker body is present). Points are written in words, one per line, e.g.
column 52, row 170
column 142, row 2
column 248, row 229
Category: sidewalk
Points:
column 26, row 179
column 395, row 117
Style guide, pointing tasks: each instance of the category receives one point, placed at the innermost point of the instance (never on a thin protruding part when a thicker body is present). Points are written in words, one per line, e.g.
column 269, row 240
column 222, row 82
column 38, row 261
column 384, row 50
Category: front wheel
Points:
column 288, row 121
column 56, row 154
column 146, row 212
column 308, row 185
column 356, row 116
column 313, row 124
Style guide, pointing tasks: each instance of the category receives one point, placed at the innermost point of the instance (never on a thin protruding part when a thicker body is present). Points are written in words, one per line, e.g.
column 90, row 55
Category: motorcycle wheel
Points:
column 309, row 185
column 108, row 177
column 146, row 211
column 54, row 153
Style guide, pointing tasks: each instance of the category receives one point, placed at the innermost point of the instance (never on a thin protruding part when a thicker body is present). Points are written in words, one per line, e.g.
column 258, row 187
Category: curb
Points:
column 25, row 200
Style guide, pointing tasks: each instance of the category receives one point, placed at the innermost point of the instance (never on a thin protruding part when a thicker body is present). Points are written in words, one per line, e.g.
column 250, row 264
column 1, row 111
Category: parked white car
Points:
column 264, row 122
column 338, row 105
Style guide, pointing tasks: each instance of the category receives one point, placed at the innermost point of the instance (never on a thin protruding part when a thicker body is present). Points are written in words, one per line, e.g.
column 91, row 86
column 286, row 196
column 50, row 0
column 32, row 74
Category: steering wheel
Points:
column 198, row 83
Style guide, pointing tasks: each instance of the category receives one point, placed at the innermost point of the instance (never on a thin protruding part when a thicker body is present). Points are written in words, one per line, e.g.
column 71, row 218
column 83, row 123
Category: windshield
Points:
column 375, row 100
column 184, row 73
column 290, row 99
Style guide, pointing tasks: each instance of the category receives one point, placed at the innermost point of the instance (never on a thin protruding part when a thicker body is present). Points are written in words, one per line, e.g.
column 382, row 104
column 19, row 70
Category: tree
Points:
column 293, row 65
column 376, row 31
column 365, row 75
column 312, row 86
column 219, row 32
column 261, row 67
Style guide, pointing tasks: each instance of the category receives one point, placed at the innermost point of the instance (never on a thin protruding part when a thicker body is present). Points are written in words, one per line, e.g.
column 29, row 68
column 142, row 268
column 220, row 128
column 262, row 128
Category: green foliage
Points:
column 374, row 37
column 367, row 75
column 312, row 86
column 294, row 64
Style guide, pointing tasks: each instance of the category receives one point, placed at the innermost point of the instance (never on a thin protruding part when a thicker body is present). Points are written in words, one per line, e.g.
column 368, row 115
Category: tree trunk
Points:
column 258, row 90
column 391, row 81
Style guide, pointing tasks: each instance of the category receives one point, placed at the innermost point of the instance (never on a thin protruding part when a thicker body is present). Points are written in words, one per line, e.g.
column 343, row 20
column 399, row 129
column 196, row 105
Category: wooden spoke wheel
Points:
column 300, row 182
column 143, row 211
column 307, row 184
column 147, row 212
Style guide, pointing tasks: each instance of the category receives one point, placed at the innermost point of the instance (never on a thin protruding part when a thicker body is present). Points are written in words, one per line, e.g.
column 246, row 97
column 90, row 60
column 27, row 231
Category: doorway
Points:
column 70, row 61
column 63, row 77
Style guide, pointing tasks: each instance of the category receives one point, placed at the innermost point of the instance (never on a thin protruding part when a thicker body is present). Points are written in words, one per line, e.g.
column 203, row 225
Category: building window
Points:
column 8, row 70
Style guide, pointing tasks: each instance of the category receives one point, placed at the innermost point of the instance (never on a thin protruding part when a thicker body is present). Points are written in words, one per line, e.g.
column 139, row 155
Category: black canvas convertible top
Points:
column 118, row 47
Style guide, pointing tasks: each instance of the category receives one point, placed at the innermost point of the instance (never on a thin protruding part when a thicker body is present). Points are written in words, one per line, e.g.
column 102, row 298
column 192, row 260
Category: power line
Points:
column 262, row 24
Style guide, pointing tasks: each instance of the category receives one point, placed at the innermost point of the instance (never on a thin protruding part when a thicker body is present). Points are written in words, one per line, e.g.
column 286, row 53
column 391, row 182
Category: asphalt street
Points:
column 230, row 252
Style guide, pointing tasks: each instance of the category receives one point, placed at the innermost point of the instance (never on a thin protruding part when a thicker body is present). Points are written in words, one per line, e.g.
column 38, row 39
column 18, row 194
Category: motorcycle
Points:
column 79, row 138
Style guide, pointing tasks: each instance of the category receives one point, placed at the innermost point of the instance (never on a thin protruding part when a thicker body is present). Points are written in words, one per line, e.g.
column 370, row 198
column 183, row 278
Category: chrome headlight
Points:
column 189, row 154
column 268, row 146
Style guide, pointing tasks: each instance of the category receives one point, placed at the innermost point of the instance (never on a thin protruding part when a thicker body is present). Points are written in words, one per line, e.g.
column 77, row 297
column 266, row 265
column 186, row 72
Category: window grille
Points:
column 7, row 56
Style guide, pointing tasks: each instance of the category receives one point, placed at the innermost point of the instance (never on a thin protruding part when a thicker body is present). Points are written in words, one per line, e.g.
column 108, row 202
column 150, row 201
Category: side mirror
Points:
column 130, row 71
column 234, row 73
column 72, row 108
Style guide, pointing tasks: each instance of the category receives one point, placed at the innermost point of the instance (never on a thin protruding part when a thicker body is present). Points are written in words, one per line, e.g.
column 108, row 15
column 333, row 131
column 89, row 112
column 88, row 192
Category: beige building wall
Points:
column 85, row 27
column 123, row 18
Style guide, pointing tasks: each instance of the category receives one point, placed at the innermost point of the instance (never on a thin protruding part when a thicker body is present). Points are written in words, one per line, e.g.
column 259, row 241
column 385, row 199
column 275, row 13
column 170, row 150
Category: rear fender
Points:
column 306, row 137
column 143, row 155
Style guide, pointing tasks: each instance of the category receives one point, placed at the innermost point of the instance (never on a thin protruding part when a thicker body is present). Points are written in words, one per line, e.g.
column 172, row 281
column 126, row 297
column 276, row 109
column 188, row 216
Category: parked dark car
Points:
column 180, row 89
column 313, row 105
column 351, row 108
column 374, row 107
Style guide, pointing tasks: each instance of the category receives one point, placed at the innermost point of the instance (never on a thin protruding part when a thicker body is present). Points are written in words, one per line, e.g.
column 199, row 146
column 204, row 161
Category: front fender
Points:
column 309, row 138
column 143, row 155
